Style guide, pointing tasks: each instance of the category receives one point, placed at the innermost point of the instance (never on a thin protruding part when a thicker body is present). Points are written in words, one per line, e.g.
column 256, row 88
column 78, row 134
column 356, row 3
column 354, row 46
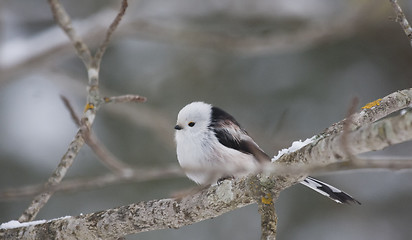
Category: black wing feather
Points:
column 219, row 120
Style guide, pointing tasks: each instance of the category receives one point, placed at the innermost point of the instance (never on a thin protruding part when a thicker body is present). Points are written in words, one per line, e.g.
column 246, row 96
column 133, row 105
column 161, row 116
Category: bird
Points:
column 212, row 146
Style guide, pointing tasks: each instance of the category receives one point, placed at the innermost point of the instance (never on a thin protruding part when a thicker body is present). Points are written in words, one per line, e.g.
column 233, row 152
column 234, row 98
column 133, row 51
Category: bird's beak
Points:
column 178, row 127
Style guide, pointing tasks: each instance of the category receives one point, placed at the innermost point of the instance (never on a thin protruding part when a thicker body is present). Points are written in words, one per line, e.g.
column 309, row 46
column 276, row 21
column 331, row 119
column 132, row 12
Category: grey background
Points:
column 283, row 93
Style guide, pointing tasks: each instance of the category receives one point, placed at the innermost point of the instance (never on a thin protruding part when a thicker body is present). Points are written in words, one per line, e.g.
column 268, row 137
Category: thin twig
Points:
column 69, row 107
column 125, row 98
column 64, row 21
column 103, row 46
column 362, row 163
column 401, row 19
column 104, row 155
column 105, row 180
column 74, row 147
column 66, row 161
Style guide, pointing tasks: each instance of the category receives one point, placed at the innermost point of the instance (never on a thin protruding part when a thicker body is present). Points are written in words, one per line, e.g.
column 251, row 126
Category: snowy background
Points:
column 285, row 69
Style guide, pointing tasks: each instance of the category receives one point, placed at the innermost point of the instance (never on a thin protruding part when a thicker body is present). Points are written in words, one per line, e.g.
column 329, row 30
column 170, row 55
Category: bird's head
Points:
column 194, row 118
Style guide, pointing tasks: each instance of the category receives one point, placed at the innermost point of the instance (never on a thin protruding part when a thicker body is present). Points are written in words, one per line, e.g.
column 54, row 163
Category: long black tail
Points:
column 329, row 191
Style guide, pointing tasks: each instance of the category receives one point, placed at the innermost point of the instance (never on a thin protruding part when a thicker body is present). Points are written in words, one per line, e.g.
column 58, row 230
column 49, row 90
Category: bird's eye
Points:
column 191, row 124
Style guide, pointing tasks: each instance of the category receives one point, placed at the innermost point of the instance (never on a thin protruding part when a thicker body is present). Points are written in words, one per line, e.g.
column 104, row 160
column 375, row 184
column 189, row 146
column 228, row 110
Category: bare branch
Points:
column 79, row 184
column 69, row 107
column 389, row 104
column 64, row 21
column 106, row 157
column 360, row 163
column 371, row 137
column 265, row 196
column 143, row 216
column 125, row 98
column 100, row 51
column 268, row 219
column 401, row 19
column 66, row 161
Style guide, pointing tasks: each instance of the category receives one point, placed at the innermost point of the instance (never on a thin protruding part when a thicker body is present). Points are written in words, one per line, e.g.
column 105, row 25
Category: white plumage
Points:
column 201, row 154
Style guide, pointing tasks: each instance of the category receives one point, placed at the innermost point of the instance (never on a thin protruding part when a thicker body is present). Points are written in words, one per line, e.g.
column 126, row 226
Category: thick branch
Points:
column 214, row 201
column 389, row 104
column 143, row 216
column 371, row 137
column 265, row 196
column 268, row 219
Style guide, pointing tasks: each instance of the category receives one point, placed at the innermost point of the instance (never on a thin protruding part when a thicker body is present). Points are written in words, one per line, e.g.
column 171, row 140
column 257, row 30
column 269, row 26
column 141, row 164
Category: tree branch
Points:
column 216, row 200
column 69, row 107
column 268, row 219
column 66, row 161
column 265, row 197
column 105, row 156
column 64, row 21
column 93, row 100
column 79, row 184
column 143, row 216
column 371, row 137
column 383, row 107
column 125, row 98
column 102, row 48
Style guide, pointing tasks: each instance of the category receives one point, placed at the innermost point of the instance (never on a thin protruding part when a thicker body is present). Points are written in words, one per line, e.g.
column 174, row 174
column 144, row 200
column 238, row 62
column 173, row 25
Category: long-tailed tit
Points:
column 211, row 145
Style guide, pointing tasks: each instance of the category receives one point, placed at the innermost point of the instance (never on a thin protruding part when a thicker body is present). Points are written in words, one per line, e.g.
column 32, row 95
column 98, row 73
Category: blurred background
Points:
column 285, row 70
